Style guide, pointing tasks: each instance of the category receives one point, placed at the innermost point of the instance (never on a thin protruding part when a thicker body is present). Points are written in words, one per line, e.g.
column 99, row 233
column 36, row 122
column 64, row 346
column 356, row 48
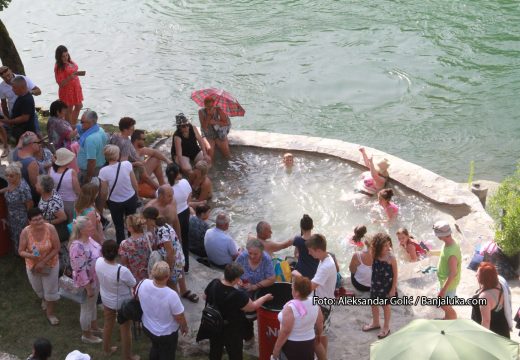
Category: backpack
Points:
column 211, row 323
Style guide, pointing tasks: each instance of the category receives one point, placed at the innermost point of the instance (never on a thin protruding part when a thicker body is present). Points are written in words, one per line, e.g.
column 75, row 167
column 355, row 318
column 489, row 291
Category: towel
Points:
column 299, row 307
column 508, row 312
column 85, row 134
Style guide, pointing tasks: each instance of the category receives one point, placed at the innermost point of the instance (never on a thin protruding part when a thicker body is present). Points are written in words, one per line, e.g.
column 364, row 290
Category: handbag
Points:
column 131, row 308
column 68, row 290
column 211, row 323
column 155, row 256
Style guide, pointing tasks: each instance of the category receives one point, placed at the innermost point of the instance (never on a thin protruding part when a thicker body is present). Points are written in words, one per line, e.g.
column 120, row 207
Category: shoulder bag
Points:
column 211, row 323
column 131, row 308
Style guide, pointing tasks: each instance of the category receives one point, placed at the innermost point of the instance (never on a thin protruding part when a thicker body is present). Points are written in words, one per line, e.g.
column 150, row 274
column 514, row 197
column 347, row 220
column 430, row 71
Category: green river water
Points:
column 435, row 83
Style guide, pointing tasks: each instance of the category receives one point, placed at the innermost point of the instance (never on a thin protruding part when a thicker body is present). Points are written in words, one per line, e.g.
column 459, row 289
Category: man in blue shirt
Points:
column 92, row 141
column 220, row 247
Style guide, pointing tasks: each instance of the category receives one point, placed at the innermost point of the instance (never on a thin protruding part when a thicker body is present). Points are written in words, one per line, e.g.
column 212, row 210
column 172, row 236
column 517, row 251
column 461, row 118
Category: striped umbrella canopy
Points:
column 227, row 102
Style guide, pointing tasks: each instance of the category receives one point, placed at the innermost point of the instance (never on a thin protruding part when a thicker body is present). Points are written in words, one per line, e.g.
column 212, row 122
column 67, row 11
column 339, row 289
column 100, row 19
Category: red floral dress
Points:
column 71, row 93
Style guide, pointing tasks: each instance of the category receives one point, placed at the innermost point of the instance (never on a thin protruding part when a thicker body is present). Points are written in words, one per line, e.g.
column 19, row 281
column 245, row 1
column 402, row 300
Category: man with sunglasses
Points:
column 21, row 117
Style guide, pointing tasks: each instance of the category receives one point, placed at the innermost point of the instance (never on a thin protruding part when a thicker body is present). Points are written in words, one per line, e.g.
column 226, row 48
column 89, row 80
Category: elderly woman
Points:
column 215, row 126
column 258, row 273
column 65, row 180
column 495, row 315
column 116, row 283
column 84, row 251
column 51, row 206
column 60, row 131
column 201, row 185
column 39, row 245
column 119, row 187
column 70, row 92
column 298, row 321
column 163, row 313
column 18, row 199
column 134, row 251
column 187, row 144
column 232, row 304
column 375, row 179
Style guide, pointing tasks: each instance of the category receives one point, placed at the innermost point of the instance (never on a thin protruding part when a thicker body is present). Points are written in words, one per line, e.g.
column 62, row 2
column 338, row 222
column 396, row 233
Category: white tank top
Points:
column 66, row 191
column 181, row 192
column 303, row 328
column 363, row 273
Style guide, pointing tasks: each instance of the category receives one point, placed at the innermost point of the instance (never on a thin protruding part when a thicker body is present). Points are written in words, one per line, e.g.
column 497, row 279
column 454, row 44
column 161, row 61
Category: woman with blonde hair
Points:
column 84, row 251
column 119, row 189
column 163, row 313
column 86, row 206
column 134, row 251
column 202, row 188
column 375, row 179
column 18, row 200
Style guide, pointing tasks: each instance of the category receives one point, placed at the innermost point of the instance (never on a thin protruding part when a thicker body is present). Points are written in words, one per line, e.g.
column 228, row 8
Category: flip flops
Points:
column 382, row 335
column 366, row 328
column 53, row 320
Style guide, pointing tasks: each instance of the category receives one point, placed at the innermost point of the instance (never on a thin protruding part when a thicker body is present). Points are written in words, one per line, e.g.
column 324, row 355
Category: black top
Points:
column 306, row 265
column 498, row 323
column 24, row 105
column 229, row 302
column 189, row 145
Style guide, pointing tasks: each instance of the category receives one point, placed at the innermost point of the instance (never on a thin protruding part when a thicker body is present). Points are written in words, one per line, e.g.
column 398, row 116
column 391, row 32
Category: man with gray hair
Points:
column 21, row 118
column 220, row 247
column 92, row 141
column 263, row 234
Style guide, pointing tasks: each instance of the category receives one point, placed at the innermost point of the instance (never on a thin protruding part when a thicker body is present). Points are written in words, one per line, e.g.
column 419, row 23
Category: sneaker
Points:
column 91, row 340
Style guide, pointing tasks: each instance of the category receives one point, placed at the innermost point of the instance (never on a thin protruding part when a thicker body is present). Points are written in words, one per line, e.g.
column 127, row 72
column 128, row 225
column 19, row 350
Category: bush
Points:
column 504, row 207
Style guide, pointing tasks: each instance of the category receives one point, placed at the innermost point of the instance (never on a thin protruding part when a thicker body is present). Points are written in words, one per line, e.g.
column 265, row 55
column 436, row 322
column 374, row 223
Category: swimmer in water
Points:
column 384, row 196
column 288, row 160
column 357, row 238
column 412, row 248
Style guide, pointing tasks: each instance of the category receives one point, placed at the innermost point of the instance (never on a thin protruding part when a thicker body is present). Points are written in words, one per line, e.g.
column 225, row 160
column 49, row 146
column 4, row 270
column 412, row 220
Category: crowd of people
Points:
column 56, row 199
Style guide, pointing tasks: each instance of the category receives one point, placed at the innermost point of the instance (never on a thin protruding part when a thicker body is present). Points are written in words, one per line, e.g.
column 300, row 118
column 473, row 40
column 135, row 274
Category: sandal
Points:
column 53, row 320
column 5, row 153
column 382, row 335
column 112, row 351
column 366, row 328
column 191, row 296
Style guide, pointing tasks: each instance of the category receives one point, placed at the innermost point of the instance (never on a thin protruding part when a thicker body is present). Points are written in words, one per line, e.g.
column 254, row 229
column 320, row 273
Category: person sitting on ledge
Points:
column 202, row 188
column 220, row 247
column 152, row 160
column 197, row 230
column 263, row 234
column 187, row 145
column 215, row 125
column 375, row 179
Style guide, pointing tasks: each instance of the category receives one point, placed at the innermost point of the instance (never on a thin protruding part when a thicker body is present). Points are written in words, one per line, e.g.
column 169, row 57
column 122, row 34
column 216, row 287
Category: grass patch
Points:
column 23, row 320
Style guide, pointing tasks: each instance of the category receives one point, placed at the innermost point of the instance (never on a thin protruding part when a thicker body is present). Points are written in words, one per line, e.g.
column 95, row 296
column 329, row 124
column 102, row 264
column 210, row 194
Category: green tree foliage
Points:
column 4, row 4
column 504, row 207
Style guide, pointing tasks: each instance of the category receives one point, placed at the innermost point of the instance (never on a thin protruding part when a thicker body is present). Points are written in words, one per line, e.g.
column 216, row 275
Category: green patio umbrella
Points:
column 444, row 340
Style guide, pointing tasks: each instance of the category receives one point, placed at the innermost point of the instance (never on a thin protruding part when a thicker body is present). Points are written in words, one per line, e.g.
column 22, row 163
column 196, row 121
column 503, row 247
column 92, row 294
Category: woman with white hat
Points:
column 65, row 180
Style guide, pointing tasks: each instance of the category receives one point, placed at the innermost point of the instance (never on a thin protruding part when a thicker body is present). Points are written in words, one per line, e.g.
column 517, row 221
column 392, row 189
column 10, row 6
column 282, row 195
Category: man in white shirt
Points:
column 220, row 247
column 7, row 95
column 323, row 284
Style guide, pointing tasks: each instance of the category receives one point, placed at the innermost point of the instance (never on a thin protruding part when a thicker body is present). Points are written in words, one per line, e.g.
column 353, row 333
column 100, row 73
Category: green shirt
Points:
column 443, row 269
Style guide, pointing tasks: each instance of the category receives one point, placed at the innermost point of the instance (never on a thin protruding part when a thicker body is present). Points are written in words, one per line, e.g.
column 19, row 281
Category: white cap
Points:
column 77, row 355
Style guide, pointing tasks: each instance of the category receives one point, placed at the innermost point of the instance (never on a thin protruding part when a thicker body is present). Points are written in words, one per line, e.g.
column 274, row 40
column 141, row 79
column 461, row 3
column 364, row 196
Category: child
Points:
column 412, row 248
column 288, row 160
column 391, row 209
column 357, row 238
column 384, row 281
column 42, row 349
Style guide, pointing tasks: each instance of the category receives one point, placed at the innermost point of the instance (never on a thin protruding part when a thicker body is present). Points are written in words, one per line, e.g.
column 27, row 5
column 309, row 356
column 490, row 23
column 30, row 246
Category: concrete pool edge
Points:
column 454, row 198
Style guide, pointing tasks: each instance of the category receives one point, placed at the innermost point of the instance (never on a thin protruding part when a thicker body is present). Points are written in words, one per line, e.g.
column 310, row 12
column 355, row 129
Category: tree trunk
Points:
column 8, row 53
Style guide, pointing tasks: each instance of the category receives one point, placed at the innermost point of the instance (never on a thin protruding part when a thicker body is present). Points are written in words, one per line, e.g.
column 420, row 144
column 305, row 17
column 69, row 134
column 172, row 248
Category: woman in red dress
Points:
column 66, row 73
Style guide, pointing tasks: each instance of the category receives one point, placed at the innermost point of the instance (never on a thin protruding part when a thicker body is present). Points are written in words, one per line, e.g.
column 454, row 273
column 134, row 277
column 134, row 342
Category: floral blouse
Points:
column 137, row 251
column 50, row 207
column 83, row 262
column 167, row 233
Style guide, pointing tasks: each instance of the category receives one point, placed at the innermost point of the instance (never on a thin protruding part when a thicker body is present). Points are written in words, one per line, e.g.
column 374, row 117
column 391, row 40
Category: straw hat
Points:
column 382, row 167
column 64, row 157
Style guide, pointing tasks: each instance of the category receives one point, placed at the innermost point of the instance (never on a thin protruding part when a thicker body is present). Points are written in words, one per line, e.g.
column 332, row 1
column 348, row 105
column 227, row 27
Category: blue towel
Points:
column 85, row 134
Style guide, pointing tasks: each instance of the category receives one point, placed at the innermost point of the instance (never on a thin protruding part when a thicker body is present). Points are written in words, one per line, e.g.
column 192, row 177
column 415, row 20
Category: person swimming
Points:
column 374, row 180
column 357, row 238
column 413, row 249
column 288, row 160
column 384, row 196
